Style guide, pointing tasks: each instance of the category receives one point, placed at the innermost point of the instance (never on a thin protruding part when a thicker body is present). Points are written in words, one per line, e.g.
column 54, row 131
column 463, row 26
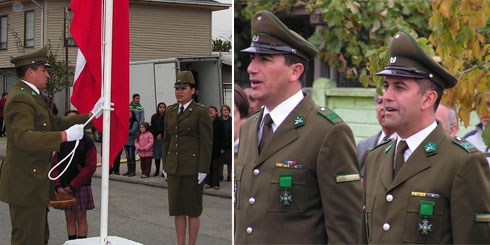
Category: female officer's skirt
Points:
column 184, row 195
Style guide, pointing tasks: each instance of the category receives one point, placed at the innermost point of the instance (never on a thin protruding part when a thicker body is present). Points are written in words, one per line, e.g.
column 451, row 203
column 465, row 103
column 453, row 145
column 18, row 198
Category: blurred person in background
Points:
column 226, row 158
column 157, row 129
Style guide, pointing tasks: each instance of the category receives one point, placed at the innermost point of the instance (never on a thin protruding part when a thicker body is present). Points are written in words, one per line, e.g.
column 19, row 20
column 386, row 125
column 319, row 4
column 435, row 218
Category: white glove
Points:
column 164, row 174
column 97, row 106
column 75, row 132
column 200, row 177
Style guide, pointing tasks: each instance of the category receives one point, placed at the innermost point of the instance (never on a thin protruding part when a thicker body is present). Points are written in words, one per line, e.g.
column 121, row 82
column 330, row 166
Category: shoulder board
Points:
column 253, row 113
column 174, row 106
column 21, row 91
column 467, row 146
column 329, row 115
column 383, row 143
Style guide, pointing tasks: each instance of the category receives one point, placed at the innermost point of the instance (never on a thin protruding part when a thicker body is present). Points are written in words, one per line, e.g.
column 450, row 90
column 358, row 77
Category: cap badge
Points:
column 392, row 59
column 397, row 36
column 256, row 38
column 259, row 18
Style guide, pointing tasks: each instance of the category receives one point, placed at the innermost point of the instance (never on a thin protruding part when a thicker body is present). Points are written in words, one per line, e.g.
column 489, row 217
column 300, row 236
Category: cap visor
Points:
column 398, row 73
column 181, row 85
column 262, row 50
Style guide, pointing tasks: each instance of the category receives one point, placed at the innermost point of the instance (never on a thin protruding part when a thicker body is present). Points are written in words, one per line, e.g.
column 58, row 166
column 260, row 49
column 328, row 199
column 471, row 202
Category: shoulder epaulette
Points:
column 384, row 143
column 253, row 113
column 202, row 105
column 467, row 146
column 329, row 115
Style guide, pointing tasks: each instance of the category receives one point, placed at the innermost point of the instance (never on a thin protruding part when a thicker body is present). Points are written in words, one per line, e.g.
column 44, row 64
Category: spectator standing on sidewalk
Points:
column 226, row 158
column 144, row 145
column 138, row 109
column 157, row 128
column 76, row 182
column 212, row 180
column 129, row 147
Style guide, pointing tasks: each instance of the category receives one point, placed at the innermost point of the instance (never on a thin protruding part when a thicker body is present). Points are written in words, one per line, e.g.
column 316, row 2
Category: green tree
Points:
column 60, row 71
column 220, row 45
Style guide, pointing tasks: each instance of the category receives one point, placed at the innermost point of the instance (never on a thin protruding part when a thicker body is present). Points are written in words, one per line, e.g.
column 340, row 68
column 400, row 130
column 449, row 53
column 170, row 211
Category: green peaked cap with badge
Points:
column 408, row 59
column 271, row 36
column 36, row 56
column 184, row 79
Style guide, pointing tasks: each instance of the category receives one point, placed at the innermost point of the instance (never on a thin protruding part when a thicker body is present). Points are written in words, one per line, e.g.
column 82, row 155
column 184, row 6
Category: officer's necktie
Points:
column 181, row 111
column 385, row 138
column 400, row 149
column 266, row 132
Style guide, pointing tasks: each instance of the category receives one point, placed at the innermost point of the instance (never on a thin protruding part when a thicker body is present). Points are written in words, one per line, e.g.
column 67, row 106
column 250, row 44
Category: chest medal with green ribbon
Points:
column 426, row 211
column 285, row 183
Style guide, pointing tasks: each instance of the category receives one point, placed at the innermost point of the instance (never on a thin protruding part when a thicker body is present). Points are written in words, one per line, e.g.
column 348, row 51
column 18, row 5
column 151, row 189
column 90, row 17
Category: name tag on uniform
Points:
column 347, row 178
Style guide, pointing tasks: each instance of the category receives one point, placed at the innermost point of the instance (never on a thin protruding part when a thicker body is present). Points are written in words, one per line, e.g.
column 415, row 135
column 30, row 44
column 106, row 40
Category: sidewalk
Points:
column 224, row 191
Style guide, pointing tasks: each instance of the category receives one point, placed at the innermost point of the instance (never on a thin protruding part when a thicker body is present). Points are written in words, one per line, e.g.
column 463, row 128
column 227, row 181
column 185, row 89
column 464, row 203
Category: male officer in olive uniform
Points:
column 423, row 187
column 34, row 133
column 187, row 156
column 297, row 173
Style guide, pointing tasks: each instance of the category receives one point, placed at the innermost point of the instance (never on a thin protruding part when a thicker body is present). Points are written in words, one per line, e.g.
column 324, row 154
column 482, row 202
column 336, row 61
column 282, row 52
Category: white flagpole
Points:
column 107, row 61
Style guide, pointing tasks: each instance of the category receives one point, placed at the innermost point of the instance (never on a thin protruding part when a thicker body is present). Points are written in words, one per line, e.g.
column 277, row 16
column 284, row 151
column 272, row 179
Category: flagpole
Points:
column 107, row 73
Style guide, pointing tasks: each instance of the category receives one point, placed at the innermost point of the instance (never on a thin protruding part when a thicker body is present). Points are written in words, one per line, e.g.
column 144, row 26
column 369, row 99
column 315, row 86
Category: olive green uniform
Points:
column 449, row 173
column 33, row 135
column 187, row 152
column 318, row 150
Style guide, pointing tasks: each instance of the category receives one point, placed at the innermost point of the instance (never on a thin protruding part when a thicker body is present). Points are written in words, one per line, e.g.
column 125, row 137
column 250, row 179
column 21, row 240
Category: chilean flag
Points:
column 86, row 30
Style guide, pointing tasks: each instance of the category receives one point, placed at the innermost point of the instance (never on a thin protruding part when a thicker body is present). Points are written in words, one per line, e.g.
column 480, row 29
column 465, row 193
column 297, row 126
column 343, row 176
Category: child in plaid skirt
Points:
column 76, row 182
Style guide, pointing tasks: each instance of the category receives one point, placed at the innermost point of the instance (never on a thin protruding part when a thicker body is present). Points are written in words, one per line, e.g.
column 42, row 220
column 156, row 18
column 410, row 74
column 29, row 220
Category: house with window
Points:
column 158, row 29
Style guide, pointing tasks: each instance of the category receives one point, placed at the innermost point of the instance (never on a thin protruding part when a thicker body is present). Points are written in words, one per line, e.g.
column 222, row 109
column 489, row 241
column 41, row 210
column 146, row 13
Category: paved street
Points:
column 138, row 210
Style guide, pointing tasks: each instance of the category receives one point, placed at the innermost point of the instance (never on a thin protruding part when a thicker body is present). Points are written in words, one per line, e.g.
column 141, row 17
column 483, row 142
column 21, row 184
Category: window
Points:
column 69, row 38
column 3, row 32
column 29, row 29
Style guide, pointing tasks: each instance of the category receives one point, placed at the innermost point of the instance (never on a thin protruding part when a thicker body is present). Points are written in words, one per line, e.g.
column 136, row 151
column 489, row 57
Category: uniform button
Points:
column 194, row 155
column 251, row 201
column 176, row 153
column 176, row 136
column 176, row 144
column 44, row 124
column 34, row 170
column 256, row 171
column 389, row 198
column 386, row 226
column 250, row 230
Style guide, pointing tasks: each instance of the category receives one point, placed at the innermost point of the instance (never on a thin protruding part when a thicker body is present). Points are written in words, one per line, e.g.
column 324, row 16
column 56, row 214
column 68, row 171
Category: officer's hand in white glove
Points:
column 95, row 111
column 75, row 132
column 200, row 177
column 164, row 174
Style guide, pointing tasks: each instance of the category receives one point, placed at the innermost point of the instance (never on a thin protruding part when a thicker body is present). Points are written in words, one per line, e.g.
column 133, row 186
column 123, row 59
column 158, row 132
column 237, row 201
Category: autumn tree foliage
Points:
column 356, row 35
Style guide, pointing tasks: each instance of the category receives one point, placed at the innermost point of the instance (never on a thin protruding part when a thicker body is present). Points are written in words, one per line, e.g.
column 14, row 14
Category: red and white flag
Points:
column 86, row 30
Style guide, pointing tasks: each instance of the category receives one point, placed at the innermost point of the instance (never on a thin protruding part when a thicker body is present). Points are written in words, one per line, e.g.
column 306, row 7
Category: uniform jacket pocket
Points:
column 297, row 191
column 413, row 219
